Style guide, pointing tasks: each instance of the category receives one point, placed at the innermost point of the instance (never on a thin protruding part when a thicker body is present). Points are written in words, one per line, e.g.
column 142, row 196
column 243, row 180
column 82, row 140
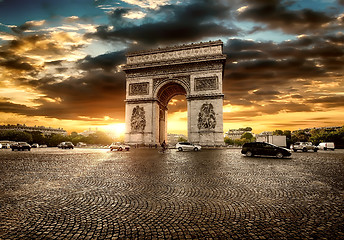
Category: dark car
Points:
column 262, row 148
column 65, row 145
column 21, row 146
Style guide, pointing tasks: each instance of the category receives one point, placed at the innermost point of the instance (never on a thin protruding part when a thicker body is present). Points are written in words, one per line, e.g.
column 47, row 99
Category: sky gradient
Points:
column 60, row 61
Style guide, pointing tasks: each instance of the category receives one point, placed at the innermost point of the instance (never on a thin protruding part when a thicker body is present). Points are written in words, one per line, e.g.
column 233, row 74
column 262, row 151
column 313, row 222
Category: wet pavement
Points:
column 144, row 194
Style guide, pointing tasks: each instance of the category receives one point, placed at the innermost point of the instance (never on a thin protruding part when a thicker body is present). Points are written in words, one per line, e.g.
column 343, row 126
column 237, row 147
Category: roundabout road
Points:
column 144, row 194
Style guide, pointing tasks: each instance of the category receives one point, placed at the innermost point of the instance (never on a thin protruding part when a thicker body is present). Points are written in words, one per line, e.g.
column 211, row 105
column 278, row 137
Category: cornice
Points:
column 207, row 58
column 176, row 48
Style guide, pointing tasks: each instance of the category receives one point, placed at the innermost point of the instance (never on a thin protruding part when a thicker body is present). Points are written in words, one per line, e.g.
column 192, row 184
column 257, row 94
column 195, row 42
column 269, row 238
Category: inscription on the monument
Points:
column 139, row 88
column 206, row 117
column 138, row 119
column 202, row 51
column 206, row 83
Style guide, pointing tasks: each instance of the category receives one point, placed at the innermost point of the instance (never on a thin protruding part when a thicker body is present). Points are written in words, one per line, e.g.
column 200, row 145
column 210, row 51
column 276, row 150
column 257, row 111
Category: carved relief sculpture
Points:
column 139, row 88
column 206, row 117
column 206, row 83
column 138, row 119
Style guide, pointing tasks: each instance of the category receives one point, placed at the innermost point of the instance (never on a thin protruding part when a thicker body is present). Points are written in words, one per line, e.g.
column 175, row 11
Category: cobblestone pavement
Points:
column 144, row 194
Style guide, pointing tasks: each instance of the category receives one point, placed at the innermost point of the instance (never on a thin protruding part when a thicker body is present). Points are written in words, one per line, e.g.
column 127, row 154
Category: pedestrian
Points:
column 163, row 145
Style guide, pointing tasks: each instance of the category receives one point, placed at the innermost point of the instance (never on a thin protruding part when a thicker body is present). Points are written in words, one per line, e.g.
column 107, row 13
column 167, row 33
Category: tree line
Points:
column 54, row 139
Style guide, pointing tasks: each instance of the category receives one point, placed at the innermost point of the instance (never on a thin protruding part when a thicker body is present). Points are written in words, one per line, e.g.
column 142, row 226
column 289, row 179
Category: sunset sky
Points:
column 60, row 61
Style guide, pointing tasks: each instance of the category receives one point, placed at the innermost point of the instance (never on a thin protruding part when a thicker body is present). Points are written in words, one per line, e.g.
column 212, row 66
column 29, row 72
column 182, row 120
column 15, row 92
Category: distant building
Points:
column 237, row 133
column 173, row 138
column 42, row 129
column 88, row 132
column 268, row 137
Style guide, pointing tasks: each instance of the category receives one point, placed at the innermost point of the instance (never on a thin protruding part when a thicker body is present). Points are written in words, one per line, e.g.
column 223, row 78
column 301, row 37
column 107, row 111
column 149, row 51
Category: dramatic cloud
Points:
column 62, row 60
column 276, row 15
column 175, row 24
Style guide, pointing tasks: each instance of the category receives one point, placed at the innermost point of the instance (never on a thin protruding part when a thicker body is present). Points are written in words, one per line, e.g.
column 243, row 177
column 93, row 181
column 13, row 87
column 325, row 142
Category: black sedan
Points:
column 262, row 148
column 21, row 146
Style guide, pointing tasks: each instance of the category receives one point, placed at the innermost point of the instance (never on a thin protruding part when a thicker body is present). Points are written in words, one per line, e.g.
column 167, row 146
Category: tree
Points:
column 277, row 132
column 38, row 137
column 247, row 136
column 300, row 136
column 228, row 141
column 99, row 138
column 181, row 139
column 55, row 139
column 17, row 136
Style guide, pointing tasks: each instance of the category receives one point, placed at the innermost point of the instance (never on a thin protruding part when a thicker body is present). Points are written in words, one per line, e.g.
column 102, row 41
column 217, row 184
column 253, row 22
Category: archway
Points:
column 154, row 77
column 164, row 95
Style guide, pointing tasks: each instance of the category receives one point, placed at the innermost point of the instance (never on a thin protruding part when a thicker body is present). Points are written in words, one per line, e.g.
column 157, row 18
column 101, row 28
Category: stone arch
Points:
column 168, row 90
column 154, row 77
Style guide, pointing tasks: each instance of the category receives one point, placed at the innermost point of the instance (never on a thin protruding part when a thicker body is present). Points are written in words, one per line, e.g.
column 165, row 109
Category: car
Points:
column 43, row 146
column 21, row 146
column 65, row 145
column 35, row 145
column 262, row 148
column 119, row 147
column 326, row 145
column 304, row 147
column 184, row 146
column 5, row 145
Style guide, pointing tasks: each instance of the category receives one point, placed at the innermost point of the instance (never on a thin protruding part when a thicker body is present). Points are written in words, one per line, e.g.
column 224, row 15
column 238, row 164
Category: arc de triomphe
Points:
column 154, row 77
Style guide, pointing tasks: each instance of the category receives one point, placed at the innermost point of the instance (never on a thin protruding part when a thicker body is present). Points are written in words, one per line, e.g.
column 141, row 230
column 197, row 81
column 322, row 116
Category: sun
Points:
column 116, row 129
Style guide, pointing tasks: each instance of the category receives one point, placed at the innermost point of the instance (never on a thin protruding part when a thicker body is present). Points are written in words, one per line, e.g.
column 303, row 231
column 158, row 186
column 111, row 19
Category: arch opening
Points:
column 177, row 119
column 168, row 91
column 164, row 95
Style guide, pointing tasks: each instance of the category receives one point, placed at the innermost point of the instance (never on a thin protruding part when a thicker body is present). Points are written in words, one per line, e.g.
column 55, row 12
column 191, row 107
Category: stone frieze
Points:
column 138, row 88
column 206, row 83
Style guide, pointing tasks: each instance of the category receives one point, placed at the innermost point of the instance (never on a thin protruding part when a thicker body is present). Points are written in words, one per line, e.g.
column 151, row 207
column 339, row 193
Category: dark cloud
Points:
column 24, row 27
column 17, row 63
column 95, row 94
column 8, row 107
column 329, row 101
column 54, row 63
column 276, row 15
column 268, row 69
column 179, row 23
column 107, row 62
column 266, row 92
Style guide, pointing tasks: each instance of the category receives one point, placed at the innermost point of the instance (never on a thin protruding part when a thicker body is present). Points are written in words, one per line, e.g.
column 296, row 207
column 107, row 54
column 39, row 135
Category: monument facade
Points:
column 154, row 77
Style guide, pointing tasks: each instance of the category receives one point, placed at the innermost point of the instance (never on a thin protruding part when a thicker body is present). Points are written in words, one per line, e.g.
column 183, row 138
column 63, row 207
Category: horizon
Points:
column 60, row 62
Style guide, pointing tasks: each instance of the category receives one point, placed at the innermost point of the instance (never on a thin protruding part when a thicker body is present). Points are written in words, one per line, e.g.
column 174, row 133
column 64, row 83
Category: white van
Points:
column 326, row 145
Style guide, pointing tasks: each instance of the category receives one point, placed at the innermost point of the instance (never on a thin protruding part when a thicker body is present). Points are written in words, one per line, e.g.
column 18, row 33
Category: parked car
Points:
column 184, row 146
column 303, row 146
column 326, row 145
column 5, row 145
column 262, row 148
column 65, row 145
column 81, row 144
column 35, row 145
column 43, row 146
column 21, row 146
column 119, row 147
